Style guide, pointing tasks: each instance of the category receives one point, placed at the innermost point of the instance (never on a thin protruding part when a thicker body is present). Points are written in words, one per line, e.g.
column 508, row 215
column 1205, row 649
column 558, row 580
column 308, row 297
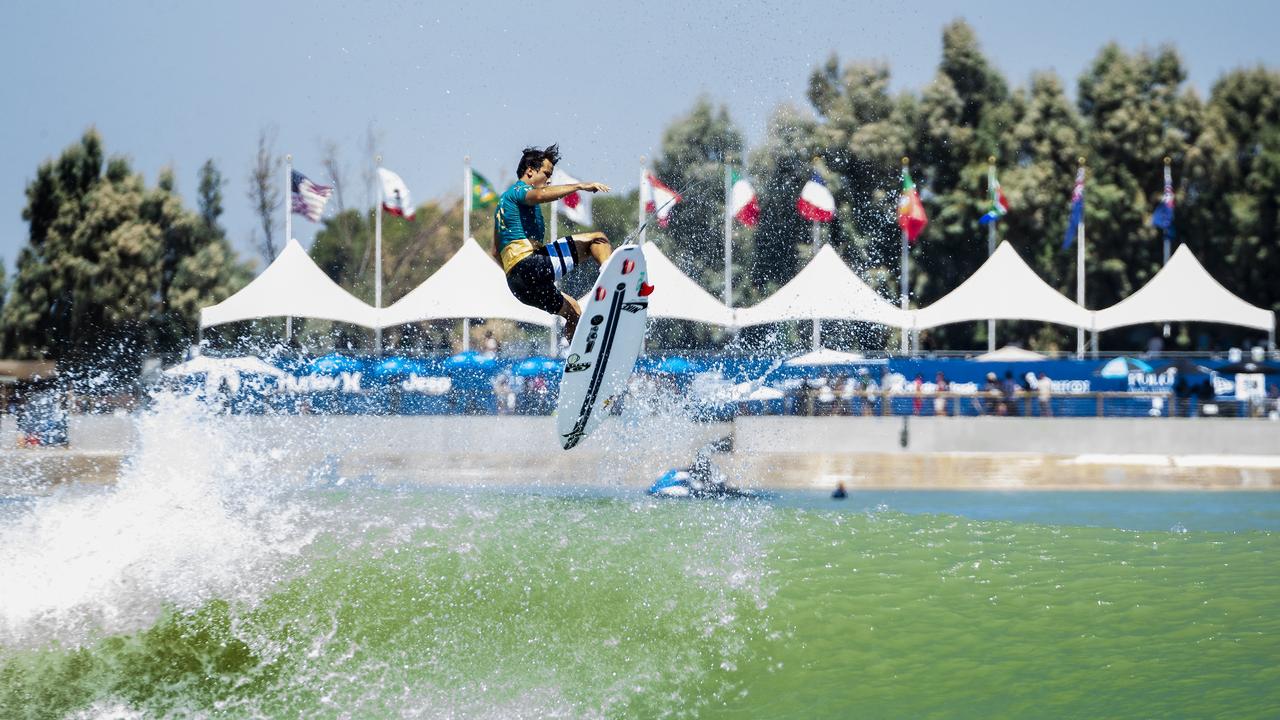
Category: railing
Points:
column 1028, row 404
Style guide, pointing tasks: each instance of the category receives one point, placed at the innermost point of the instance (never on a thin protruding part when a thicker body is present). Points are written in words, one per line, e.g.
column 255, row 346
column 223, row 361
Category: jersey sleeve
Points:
column 519, row 192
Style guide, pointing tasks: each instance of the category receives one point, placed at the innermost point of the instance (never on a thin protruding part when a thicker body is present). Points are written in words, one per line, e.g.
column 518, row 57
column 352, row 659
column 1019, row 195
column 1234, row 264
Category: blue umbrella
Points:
column 1120, row 367
column 470, row 360
column 335, row 363
column 534, row 366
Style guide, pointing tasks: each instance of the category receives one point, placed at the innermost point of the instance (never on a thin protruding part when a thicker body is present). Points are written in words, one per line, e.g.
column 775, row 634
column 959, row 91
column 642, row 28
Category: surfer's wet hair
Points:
column 532, row 157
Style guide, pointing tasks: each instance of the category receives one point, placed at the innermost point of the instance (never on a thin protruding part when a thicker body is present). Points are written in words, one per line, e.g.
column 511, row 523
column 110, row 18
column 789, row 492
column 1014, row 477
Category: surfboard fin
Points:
column 645, row 289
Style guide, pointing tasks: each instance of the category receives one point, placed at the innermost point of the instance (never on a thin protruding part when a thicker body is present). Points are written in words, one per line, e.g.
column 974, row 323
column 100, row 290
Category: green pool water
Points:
column 405, row 602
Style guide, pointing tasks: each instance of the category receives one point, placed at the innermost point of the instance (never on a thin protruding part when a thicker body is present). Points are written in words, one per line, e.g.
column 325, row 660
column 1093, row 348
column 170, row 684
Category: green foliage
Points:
column 112, row 270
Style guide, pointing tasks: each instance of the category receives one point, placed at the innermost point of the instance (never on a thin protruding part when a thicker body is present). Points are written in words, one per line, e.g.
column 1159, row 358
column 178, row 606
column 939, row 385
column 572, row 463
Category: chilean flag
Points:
column 743, row 202
column 395, row 194
column 658, row 198
column 816, row 202
column 574, row 206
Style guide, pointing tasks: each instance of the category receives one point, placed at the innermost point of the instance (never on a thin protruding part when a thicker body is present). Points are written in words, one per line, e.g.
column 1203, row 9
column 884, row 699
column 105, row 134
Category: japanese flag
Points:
column 574, row 206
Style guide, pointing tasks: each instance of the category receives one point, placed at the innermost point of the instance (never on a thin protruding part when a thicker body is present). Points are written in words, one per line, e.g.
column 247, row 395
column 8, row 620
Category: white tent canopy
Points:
column 291, row 286
column 1184, row 291
column 826, row 289
column 1009, row 353
column 469, row 285
column 677, row 297
column 1004, row 288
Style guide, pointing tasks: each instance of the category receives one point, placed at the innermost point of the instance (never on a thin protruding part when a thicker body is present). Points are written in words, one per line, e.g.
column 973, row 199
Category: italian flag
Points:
column 911, row 217
column 816, row 202
column 743, row 202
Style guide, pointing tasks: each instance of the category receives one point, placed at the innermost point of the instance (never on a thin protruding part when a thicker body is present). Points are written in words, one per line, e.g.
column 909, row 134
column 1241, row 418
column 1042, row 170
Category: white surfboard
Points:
column 604, row 346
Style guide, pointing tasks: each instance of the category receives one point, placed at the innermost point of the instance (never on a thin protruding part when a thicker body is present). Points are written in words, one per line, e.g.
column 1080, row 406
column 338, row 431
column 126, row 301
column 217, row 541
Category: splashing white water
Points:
column 196, row 513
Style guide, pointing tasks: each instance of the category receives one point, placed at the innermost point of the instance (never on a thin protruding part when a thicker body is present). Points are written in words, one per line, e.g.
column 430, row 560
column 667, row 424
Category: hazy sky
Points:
column 178, row 83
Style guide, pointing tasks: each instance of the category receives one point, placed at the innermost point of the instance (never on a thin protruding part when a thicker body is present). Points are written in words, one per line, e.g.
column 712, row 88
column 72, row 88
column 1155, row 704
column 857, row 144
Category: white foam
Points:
column 189, row 519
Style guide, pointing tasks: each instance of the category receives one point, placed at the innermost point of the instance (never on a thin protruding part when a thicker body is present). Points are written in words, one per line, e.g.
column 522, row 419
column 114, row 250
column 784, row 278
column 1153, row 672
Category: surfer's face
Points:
column 539, row 177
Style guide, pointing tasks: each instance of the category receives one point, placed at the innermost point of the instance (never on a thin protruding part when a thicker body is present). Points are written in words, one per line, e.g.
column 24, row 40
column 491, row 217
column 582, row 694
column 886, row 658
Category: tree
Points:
column 104, row 259
column 265, row 195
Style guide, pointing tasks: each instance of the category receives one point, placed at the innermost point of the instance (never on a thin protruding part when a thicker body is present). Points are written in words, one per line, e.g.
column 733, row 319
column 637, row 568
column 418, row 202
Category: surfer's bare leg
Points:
column 595, row 244
column 570, row 311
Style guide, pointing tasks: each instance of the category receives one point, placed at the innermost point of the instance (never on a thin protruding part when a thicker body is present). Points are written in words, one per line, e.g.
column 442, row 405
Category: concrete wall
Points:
column 1062, row 436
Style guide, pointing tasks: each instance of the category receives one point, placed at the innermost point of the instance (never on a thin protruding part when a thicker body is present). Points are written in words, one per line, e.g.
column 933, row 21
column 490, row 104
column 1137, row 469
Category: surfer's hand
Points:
column 593, row 187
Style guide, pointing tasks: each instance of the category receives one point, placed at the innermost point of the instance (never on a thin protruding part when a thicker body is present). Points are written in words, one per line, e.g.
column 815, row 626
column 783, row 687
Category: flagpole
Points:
column 1168, row 181
column 288, row 232
column 817, row 322
column 728, row 236
column 466, row 233
column 377, row 252
column 466, row 197
column 640, row 211
column 905, row 271
column 1080, row 275
column 991, row 250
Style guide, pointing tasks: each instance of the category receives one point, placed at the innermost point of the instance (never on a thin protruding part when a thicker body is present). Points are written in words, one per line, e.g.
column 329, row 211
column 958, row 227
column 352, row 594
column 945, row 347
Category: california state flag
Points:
column 742, row 200
column 658, row 198
column 816, row 203
column 575, row 206
column 395, row 194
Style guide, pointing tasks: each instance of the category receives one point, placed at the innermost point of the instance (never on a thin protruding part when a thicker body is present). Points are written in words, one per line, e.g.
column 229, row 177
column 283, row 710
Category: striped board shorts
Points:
column 533, row 280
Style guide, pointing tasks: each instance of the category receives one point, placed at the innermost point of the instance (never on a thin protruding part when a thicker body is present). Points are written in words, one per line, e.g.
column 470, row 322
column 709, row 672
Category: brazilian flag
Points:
column 482, row 192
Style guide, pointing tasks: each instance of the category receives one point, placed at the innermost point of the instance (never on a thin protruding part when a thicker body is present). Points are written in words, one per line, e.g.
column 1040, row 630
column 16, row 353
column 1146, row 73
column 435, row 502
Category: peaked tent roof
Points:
column 292, row 285
column 1004, row 288
column 826, row 289
column 1184, row 291
column 469, row 284
column 678, row 297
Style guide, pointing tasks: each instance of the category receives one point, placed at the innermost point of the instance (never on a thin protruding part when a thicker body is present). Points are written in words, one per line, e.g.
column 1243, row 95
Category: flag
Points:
column 911, row 217
column 999, row 206
column 816, row 202
column 743, row 202
column 575, row 206
column 1077, row 210
column 395, row 196
column 658, row 198
column 308, row 198
column 482, row 192
column 1163, row 216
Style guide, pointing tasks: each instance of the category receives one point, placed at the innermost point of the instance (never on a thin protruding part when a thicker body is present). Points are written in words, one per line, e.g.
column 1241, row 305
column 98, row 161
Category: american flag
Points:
column 308, row 197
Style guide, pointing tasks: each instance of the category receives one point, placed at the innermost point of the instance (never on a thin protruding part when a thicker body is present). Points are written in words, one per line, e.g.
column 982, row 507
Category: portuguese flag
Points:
column 911, row 217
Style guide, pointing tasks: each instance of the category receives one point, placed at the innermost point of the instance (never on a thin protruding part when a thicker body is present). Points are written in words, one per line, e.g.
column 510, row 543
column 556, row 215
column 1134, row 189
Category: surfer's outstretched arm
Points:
column 550, row 193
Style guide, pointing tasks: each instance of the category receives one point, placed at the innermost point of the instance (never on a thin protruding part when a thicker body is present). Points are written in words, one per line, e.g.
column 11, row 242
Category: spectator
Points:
column 917, row 388
column 491, row 344
column 1009, row 393
column 988, row 402
column 940, row 400
column 1044, row 390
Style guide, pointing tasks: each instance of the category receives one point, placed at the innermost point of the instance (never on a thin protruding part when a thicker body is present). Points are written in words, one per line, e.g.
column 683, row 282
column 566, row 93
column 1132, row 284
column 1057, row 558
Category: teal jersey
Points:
column 514, row 220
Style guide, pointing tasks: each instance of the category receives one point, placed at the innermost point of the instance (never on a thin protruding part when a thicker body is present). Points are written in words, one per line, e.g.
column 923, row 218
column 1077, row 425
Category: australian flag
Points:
column 1163, row 216
column 308, row 197
column 1077, row 210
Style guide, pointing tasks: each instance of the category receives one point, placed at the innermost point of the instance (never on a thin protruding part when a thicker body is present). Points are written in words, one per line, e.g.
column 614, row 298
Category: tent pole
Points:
column 466, row 334
column 817, row 322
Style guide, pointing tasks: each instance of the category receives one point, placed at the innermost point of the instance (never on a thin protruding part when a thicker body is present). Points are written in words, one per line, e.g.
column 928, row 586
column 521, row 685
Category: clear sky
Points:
column 176, row 83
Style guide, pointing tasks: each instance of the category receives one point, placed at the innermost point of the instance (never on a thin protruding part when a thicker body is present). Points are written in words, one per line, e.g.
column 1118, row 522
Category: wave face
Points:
column 219, row 577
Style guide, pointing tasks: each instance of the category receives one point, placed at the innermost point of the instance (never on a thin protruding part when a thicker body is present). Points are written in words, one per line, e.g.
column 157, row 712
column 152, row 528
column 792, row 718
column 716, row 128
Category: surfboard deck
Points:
column 605, row 345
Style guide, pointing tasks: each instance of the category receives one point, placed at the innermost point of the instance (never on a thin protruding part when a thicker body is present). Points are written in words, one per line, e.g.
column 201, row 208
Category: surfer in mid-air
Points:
column 533, row 266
